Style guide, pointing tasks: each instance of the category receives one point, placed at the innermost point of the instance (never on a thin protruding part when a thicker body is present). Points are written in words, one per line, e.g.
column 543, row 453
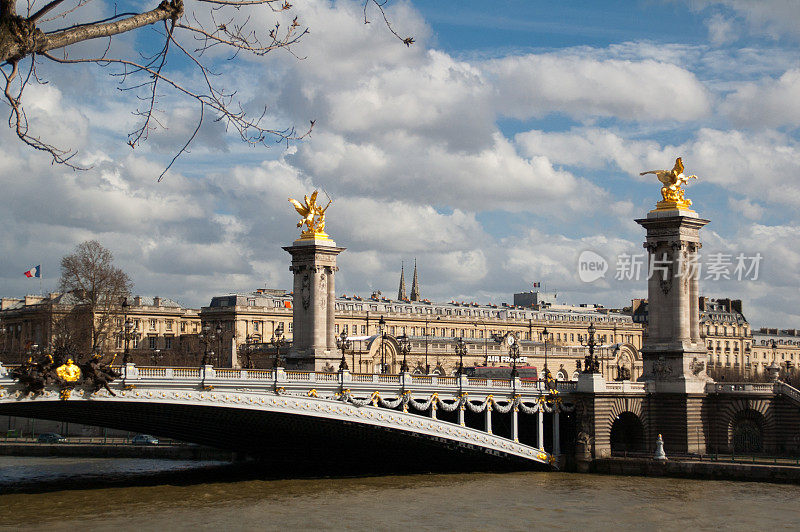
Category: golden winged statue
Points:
column 313, row 217
column 671, row 192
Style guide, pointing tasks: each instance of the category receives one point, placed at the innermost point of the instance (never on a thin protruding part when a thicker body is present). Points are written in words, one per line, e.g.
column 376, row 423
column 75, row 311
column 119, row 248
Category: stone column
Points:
column 556, row 433
column 313, row 305
column 673, row 351
column 515, row 423
column 540, row 428
column 674, row 356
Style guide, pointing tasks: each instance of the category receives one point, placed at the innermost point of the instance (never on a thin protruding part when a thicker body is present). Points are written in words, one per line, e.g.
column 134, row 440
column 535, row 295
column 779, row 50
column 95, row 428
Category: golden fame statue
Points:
column 671, row 192
column 313, row 217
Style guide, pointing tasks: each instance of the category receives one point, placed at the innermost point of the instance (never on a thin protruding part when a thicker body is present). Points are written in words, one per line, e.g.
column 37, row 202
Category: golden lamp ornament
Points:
column 671, row 193
column 312, row 216
column 69, row 372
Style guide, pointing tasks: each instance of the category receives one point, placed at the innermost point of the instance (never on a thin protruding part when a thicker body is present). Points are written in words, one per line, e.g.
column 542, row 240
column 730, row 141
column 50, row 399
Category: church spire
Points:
column 415, row 284
column 401, row 292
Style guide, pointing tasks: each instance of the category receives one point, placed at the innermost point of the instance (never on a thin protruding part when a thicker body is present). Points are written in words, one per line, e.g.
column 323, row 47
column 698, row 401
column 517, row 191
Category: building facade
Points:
column 162, row 329
column 373, row 326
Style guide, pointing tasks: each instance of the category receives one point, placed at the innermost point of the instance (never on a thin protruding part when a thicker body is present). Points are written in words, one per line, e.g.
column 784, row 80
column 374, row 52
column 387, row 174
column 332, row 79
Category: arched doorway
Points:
column 747, row 434
column 627, row 434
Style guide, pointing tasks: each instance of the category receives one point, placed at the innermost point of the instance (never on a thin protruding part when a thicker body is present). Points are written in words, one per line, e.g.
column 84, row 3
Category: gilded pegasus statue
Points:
column 312, row 216
column 672, row 180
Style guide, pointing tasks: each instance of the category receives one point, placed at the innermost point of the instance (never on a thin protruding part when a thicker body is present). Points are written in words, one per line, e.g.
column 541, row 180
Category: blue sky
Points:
column 503, row 144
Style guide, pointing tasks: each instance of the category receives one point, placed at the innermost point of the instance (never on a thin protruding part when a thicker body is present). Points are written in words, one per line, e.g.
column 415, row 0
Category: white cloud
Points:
column 775, row 18
column 769, row 103
column 582, row 87
column 747, row 208
column 721, row 29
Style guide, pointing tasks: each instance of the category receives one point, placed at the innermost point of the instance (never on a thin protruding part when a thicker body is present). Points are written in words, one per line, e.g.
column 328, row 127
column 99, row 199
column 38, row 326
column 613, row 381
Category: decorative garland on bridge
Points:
column 550, row 403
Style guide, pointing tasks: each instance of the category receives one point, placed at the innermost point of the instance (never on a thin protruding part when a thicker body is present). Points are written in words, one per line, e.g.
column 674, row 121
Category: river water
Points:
column 216, row 499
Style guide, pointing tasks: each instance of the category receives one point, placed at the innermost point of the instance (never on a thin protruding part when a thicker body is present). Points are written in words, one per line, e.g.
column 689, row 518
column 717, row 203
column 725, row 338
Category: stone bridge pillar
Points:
column 314, row 305
column 673, row 353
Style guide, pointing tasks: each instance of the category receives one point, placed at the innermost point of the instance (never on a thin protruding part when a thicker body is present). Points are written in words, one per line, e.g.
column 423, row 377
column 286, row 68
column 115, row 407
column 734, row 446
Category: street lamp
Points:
column 546, row 371
column 344, row 344
column 128, row 329
column 219, row 339
column 461, row 350
column 248, row 349
column 155, row 356
column 277, row 341
column 381, row 327
column 405, row 348
column 513, row 353
column 206, row 337
column 591, row 364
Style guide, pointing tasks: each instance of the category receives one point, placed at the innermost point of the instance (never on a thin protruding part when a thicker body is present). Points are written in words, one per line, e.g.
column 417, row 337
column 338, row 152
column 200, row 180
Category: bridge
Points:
column 340, row 416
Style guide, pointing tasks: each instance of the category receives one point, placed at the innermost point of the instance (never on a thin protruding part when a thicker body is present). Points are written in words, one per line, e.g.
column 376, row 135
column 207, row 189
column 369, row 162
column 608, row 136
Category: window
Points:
column 291, row 325
column 363, row 329
column 183, row 326
column 336, row 328
column 169, row 325
column 153, row 341
column 168, row 342
column 119, row 341
column 152, row 324
column 257, row 326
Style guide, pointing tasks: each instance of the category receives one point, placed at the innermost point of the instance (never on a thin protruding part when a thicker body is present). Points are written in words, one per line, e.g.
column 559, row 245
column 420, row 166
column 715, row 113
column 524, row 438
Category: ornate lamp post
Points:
column 155, row 356
column 128, row 330
column 219, row 340
column 546, row 370
column 381, row 329
column 277, row 341
column 461, row 350
column 206, row 337
column 405, row 348
column 591, row 364
column 513, row 353
column 344, row 344
column 248, row 352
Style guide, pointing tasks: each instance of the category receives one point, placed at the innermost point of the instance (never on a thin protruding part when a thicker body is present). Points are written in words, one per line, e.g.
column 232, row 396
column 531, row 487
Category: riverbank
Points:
column 116, row 450
column 695, row 469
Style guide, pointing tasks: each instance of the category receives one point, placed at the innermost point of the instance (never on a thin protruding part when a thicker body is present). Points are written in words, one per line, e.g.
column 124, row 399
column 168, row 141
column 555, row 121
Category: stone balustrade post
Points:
column 281, row 375
column 169, row 373
column 209, row 372
column 347, row 376
column 131, row 372
column 488, row 414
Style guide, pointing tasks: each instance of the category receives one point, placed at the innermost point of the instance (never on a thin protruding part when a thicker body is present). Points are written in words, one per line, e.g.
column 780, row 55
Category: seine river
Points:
column 216, row 499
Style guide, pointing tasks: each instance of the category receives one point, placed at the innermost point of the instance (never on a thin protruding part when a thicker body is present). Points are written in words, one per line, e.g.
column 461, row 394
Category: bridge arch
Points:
column 627, row 434
column 625, row 428
column 747, row 425
column 746, row 432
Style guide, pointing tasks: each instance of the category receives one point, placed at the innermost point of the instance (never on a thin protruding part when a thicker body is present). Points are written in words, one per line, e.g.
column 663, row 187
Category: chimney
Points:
column 137, row 301
column 156, row 301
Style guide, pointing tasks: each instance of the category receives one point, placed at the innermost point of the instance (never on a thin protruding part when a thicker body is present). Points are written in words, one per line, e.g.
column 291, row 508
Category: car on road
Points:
column 144, row 439
column 51, row 437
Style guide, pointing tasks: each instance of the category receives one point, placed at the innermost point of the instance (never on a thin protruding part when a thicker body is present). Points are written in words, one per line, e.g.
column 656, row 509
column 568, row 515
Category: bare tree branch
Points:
column 223, row 26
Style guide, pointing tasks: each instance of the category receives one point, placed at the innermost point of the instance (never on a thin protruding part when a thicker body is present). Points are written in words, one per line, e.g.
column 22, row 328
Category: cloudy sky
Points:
column 500, row 146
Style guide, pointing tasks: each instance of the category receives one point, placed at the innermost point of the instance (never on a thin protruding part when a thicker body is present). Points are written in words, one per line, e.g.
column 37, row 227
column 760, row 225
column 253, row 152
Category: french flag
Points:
column 36, row 271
